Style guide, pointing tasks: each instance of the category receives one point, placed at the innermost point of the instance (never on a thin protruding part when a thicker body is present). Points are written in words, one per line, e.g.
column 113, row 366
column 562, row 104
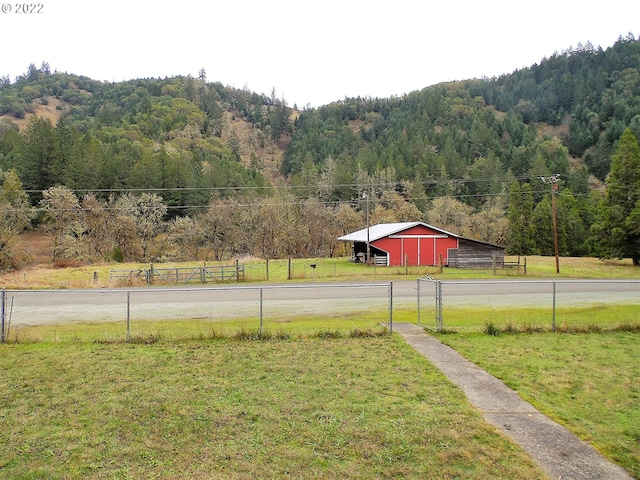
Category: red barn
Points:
column 416, row 243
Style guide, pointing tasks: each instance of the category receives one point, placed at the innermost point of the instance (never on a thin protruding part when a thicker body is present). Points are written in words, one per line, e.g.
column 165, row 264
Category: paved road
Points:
column 32, row 307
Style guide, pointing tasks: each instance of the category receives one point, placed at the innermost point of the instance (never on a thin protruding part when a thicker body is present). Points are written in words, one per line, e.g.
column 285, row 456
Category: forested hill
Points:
column 185, row 132
column 461, row 155
column 182, row 136
column 584, row 98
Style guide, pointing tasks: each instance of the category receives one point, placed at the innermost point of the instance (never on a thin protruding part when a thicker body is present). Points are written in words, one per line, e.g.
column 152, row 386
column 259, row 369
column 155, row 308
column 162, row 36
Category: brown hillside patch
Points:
column 560, row 131
column 52, row 111
column 254, row 143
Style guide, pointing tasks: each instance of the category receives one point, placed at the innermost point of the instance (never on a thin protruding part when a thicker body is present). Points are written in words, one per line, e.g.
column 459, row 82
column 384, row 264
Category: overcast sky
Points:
column 312, row 52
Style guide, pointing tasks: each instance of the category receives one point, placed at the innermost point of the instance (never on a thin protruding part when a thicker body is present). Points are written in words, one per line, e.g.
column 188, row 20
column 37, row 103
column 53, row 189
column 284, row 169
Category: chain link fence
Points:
column 525, row 305
column 148, row 313
column 141, row 314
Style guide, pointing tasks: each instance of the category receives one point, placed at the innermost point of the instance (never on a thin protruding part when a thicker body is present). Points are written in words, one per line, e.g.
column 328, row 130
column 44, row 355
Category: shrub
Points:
column 360, row 333
column 117, row 255
column 328, row 334
column 490, row 328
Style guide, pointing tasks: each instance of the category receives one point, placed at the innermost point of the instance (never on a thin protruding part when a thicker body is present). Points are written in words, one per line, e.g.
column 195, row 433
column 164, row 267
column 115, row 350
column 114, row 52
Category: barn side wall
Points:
column 470, row 254
column 416, row 246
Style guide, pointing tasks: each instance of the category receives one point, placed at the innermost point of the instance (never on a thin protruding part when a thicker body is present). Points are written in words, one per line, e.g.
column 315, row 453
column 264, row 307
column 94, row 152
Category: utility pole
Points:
column 553, row 180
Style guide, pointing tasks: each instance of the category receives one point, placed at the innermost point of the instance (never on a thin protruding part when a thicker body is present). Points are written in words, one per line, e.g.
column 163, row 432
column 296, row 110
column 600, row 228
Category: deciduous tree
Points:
column 145, row 214
column 62, row 222
column 15, row 216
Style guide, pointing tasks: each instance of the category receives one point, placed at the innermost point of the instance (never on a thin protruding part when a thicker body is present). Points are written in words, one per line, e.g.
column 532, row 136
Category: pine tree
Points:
column 520, row 236
column 38, row 154
column 621, row 222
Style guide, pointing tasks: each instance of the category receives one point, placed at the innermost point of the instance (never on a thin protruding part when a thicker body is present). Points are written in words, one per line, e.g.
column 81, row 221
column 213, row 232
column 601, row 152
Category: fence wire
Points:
column 527, row 304
column 139, row 313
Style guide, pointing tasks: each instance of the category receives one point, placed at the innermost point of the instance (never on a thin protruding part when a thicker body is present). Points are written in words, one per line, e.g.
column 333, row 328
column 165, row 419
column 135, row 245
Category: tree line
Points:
column 301, row 222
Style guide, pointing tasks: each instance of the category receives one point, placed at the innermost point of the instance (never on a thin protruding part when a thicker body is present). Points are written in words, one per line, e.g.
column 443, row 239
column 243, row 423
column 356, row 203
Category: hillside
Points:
column 583, row 97
column 171, row 134
column 450, row 154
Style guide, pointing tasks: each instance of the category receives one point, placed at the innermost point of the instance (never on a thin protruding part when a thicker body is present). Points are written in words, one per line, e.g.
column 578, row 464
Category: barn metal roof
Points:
column 385, row 229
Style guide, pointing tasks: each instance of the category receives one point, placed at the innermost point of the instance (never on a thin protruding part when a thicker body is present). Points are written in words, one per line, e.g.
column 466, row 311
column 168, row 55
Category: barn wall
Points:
column 415, row 245
column 471, row 254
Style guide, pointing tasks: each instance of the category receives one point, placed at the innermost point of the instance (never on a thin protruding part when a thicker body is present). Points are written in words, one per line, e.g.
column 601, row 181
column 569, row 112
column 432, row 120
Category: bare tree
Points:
column 221, row 225
column 449, row 214
column 342, row 220
column 490, row 224
column 187, row 236
column 62, row 221
column 145, row 213
column 99, row 226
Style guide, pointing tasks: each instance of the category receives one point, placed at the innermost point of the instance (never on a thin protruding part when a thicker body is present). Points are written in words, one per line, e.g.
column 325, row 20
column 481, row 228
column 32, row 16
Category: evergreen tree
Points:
column 621, row 222
column 542, row 225
column 520, row 236
column 38, row 155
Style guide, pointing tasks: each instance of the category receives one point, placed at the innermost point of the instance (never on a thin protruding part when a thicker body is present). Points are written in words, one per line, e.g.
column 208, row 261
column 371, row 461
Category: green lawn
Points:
column 587, row 382
column 366, row 407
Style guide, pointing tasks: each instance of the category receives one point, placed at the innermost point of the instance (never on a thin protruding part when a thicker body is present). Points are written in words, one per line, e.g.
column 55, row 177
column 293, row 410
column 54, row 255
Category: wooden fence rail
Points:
column 204, row 274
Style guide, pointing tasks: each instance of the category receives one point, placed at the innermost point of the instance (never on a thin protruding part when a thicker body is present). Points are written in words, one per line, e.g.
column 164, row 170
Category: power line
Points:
column 426, row 183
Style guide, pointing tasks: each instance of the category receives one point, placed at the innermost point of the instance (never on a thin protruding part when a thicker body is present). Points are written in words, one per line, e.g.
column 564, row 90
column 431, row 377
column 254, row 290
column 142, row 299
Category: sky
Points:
column 310, row 52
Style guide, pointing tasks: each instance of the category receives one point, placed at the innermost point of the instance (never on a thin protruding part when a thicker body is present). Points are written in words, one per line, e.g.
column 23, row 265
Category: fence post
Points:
column 267, row 269
column 152, row 273
column 390, row 307
column 439, row 306
column 553, row 321
column 418, row 289
column 2, row 314
column 128, row 317
column 261, row 312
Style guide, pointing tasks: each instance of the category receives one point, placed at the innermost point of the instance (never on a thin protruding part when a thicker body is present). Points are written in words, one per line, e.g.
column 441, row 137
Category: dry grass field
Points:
column 40, row 272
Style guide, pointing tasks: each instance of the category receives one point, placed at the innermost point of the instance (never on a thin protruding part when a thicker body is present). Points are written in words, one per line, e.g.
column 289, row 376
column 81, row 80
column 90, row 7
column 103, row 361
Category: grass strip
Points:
column 594, row 317
column 588, row 382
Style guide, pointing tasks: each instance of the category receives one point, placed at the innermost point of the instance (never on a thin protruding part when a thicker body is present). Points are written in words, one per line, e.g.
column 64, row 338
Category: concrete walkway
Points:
column 559, row 452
